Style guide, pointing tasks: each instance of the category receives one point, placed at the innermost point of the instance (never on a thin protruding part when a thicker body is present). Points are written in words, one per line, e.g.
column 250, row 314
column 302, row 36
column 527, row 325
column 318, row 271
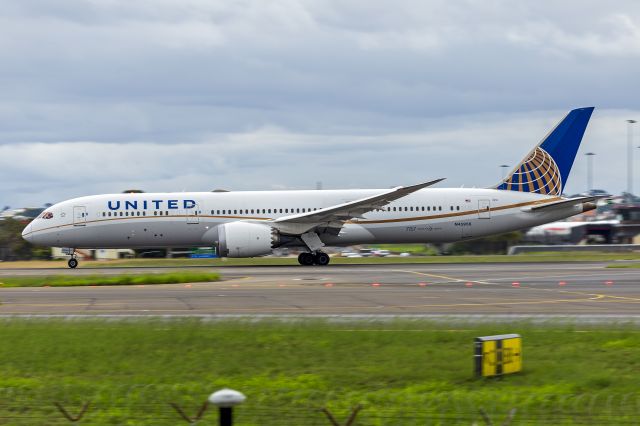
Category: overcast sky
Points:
column 99, row 96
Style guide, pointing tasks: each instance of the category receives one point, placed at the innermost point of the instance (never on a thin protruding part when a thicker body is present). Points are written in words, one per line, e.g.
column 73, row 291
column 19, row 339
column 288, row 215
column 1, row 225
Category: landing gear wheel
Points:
column 305, row 259
column 321, row 259
column 73, row 263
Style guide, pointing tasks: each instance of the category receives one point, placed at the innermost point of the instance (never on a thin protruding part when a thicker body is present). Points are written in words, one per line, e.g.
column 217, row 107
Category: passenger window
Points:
column 440, row 208
column 458, row 208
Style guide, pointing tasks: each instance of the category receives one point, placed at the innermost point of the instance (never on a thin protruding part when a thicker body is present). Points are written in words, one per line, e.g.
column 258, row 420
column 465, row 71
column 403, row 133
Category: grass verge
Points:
column 266, row 261
column 282, row 261
column 102, row 280
column 624, row 265
column 403, row 372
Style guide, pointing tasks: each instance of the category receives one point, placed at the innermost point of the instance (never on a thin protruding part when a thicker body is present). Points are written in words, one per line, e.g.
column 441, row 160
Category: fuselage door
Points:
column 484, row 209
column 79, row 215
column 192, row 213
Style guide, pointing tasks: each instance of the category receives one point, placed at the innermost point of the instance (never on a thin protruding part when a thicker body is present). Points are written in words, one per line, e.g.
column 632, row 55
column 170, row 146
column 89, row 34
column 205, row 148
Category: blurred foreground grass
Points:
column 102, row 280
column 403, row 372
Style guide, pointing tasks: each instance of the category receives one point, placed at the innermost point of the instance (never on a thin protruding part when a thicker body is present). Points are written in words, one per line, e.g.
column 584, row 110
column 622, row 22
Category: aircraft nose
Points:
column 26, row 233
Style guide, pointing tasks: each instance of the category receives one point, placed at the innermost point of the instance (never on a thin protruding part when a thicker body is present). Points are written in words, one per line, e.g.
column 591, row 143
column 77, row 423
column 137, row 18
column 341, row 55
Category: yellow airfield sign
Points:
column 498, row 355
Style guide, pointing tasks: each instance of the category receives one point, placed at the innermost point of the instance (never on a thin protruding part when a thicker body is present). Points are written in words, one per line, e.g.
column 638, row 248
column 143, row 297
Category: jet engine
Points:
column 245, row 239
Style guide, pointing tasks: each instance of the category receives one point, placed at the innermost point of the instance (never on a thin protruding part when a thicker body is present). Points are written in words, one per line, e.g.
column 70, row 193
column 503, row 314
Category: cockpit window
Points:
column 47, row 215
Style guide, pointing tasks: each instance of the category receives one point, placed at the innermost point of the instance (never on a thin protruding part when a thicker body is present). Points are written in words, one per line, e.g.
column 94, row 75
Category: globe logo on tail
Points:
column 538, row 173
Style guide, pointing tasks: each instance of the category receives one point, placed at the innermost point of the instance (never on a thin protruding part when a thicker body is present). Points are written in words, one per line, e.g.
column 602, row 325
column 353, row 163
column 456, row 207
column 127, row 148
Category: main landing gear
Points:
column 314, row 256
column 319, row 258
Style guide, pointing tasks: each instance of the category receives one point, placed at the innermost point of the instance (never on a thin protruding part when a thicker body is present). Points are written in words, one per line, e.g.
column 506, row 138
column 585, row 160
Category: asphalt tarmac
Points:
column 578, row 289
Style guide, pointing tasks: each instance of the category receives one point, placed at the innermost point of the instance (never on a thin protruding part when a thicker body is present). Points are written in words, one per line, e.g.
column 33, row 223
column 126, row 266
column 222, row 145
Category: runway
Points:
column 403, row 289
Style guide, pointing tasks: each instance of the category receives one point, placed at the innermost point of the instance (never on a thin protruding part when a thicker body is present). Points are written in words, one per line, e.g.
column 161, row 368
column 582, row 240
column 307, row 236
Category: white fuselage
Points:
column 189, row 219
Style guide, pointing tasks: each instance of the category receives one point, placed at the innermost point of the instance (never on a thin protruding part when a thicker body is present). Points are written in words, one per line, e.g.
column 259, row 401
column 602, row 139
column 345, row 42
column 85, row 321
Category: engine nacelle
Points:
column 245, row 239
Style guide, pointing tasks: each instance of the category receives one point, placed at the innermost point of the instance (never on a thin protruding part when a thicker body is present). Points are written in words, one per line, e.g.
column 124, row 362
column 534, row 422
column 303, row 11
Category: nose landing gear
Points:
column 73, row 262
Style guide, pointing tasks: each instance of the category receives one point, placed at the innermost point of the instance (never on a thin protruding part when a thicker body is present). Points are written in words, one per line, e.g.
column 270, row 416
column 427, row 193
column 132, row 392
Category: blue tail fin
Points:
column 546, row 169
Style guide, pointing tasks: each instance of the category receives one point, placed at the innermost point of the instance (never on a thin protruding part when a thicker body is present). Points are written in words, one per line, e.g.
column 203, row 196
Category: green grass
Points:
column 624, row 265
column 403, row 372
column 275, row 261
column 102, row 280
column 266, row 261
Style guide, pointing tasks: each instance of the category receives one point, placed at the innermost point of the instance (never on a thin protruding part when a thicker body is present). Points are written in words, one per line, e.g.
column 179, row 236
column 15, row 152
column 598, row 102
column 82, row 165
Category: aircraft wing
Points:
column 335, row 216
column 561, row 204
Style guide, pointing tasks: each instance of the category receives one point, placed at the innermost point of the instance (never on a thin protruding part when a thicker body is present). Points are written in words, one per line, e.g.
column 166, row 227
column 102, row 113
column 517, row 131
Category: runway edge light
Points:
column 497, row 355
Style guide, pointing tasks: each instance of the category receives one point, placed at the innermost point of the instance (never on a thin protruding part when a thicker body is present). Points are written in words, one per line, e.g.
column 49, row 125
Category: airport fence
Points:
column 160, row 405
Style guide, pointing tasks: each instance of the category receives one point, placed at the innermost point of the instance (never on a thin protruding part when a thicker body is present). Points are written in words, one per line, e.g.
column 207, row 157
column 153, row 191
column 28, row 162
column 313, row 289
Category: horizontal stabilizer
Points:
column 562, row 204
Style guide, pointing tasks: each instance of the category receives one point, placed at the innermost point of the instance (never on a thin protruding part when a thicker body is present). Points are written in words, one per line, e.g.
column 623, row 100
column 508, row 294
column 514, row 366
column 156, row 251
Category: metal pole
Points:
column 589, row 170
column 504, row 170
column 630, row 156
column 226, row 416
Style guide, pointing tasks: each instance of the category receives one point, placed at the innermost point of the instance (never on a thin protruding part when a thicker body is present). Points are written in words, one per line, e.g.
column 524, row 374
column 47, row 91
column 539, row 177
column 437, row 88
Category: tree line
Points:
column 14, row 247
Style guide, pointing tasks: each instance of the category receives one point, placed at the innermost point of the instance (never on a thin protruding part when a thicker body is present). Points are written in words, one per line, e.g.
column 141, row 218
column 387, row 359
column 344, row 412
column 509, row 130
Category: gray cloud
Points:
column 195, row 94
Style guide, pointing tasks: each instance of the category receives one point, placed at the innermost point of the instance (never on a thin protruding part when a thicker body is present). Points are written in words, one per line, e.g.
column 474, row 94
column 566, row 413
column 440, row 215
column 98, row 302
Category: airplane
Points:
column 253, row 223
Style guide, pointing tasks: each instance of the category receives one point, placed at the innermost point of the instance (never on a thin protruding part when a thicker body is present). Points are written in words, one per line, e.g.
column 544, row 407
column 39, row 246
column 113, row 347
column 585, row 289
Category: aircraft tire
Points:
column 306, row 259
column 73, row 263
column 321, row 259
